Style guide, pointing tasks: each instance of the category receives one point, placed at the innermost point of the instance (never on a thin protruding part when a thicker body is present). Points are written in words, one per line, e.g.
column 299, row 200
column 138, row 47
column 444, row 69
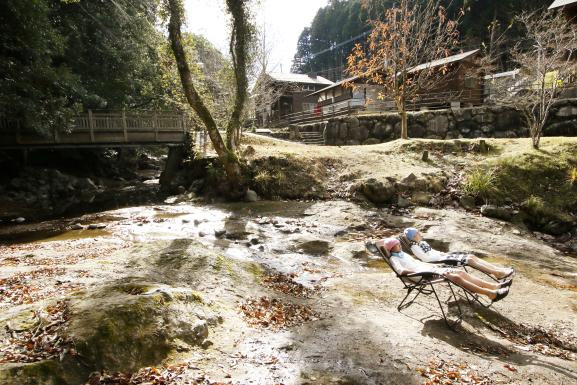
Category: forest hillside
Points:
column 324, row 46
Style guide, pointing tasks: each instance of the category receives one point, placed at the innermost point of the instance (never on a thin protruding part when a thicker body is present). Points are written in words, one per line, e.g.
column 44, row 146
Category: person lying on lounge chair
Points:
column 423, row 251
column 404, row 263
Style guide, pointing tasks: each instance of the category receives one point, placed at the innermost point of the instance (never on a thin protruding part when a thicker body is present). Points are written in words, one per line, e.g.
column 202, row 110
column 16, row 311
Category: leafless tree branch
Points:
column 547, row 63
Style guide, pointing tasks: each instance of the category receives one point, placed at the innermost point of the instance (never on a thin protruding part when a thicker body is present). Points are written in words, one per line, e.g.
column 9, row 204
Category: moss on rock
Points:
column 35, row 373
column 123, row 326
column 122, row 335
column 255, row 270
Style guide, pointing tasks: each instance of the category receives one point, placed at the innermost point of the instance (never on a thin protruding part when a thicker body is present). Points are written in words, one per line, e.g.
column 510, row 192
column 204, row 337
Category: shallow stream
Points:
column 358, row 336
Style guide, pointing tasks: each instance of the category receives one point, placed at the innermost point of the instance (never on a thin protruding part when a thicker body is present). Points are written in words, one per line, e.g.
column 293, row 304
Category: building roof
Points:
column 503, row 74
column 444, row 61
column 561, row 3
column 299, row 78
column 334, row 85
column 431, row 64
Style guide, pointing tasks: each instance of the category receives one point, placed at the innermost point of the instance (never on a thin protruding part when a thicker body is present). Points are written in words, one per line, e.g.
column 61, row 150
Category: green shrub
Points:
column 214, row 171
column 535, row 206
column 543, row 216
column 480, row 183
column 572, row 176
column 271, row 180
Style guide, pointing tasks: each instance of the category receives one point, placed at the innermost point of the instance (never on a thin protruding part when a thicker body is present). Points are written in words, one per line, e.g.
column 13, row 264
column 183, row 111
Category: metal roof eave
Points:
column 561, row 3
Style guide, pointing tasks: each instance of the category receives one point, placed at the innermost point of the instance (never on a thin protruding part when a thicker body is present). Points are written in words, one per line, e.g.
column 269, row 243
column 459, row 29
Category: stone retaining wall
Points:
column 476, row 122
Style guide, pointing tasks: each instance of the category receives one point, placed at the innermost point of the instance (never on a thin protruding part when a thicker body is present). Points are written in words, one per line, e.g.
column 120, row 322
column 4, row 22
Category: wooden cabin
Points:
column 349, row 93
column 286, row 94
column 461, row 86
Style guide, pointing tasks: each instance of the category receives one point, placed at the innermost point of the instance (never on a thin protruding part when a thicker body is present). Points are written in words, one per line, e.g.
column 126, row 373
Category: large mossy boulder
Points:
column 130, row 325
column 315, row 247
column 121, row 327
column 498, row 212
column 378, row 192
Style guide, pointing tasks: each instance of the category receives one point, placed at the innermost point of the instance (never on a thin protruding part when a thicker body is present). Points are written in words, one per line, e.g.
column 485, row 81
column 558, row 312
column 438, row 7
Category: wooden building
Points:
column 278, row 95
column 349, row 93
column 461, row 86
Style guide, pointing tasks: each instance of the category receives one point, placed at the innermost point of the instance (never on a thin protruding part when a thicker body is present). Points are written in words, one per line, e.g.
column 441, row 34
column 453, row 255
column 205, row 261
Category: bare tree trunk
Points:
column 238, row 135
column 238, row 47
column 493, row 35
column 401, row 106
column 226, row 155
column 536, row 141
column 404, row 125
column 535, row 136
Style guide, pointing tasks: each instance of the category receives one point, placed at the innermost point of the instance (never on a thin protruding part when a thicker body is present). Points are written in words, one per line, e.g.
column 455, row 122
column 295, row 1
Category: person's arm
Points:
column 398, row 267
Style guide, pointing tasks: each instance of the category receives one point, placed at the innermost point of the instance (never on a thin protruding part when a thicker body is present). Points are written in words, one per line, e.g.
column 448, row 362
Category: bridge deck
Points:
column 101, row 130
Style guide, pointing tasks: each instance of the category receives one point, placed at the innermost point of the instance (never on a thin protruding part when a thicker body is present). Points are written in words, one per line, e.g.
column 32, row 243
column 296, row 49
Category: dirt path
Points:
column 353, row 335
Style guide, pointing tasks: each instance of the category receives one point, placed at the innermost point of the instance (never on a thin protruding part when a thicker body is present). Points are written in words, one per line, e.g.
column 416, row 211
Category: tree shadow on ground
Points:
column 543, row 263
column 349, row 352
column 473, row 341
column 349, row 346
column 176, row 264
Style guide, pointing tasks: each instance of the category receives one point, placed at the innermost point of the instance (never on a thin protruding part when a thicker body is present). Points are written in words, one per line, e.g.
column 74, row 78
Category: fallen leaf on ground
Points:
column 453, row 373
column 44, row 340
column 285, row 284
column 164, row 375
column 274, row 313
column 31, row 286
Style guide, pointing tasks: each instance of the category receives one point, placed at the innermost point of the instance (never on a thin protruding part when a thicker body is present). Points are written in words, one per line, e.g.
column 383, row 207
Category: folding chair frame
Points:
column 426, row 285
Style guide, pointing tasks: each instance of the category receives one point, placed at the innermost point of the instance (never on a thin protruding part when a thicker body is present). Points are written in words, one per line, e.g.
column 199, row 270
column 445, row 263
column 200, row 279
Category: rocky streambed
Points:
column 270, row 293
column 68, row 183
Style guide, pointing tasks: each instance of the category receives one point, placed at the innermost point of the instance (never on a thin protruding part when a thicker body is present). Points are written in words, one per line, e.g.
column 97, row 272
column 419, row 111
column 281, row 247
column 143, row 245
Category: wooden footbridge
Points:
column 95, row 129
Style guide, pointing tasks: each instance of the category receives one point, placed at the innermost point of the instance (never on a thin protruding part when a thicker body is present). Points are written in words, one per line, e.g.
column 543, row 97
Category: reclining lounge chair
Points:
column 406, row 246
column 420, row 283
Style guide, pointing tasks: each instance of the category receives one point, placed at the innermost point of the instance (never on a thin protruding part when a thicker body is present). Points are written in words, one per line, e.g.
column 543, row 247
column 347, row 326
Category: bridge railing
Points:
column 102, row 128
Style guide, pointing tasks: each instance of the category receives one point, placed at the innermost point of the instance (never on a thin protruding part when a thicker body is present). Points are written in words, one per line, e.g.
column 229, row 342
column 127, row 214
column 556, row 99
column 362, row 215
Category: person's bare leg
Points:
column 478, row 281
column 462, row 280
column 487, row 267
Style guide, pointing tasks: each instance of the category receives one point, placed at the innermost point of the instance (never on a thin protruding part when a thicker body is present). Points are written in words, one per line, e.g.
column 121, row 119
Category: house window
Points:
column 309, row 106
column 308, row 87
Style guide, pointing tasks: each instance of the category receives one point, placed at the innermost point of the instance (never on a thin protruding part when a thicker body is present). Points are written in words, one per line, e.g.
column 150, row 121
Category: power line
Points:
column 340, row 44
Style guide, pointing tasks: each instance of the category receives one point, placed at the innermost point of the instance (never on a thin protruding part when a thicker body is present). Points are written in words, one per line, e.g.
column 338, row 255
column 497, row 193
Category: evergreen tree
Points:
column 35, row 83
column 59, row 57
column 113, row 46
